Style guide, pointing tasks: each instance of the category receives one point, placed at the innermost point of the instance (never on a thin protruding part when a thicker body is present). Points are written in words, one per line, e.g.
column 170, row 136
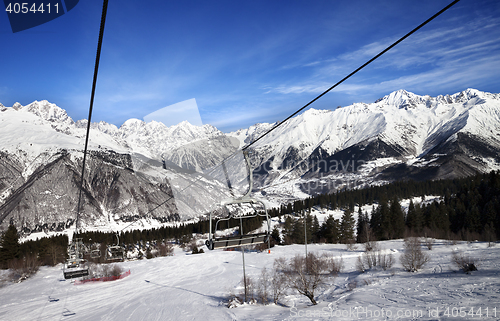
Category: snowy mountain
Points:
column 129, row 174
column 146, row 169
column 400, row 136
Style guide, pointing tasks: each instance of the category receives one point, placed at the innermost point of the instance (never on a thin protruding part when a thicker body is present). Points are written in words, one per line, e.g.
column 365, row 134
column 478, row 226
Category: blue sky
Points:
column 247, row 61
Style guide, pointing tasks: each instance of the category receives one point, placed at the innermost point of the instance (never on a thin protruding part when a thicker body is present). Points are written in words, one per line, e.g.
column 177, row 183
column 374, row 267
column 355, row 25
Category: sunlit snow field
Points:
column 197, row 287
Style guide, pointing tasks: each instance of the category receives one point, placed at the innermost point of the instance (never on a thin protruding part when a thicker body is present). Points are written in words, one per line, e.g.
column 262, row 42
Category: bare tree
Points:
column 372, row 259
column 351, row 245
column 306, row 274
column 360, row 266
column 248, row 289
column 370, row 243
column 489, row 234
column 264, row 286
column 429, row 242
column 166, row 249
column 385, row 261
column 55, row 254
column 24, row 267
column 464, row 262
column 334, row 264
column 413, row 259
column 278, row 279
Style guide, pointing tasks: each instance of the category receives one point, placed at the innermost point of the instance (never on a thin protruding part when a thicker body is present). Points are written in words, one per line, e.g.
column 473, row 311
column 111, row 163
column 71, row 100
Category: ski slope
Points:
column 197, row 287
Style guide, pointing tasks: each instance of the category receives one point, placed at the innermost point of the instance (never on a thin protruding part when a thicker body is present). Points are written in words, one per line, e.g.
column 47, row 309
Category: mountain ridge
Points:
column 400, row 136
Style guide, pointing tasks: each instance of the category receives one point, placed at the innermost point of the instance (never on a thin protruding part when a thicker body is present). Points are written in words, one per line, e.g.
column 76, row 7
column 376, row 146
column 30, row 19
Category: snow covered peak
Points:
column 132, row 123
column 412, row 122
column 315, row 112
column 104, row 127
column 251, row 133
column 468, row 95
column 185, row 129
column 471, row 92
column 401, row 99
column 212, row 130
column 48, row 111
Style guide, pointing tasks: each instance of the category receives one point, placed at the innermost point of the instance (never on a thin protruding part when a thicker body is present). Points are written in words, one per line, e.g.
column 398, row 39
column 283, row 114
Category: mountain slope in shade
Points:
column 400, row 136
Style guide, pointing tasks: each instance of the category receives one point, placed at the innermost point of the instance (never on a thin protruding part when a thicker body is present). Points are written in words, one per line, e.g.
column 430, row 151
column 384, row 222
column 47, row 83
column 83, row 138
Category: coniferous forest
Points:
column 467, row 209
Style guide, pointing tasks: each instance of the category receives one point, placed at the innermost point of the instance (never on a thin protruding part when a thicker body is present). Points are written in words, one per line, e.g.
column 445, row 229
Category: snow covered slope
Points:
column 197, row 287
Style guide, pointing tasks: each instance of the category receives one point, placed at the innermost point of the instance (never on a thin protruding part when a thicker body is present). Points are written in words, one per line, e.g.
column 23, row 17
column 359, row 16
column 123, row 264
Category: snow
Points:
column 494, row 164
column 196, row 287
column 416, row 123
column 108, row 226
column 34, row 133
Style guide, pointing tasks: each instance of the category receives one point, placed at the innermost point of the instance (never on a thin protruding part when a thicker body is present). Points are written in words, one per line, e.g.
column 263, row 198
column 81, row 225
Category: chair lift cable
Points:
column 319, row 96
column 75, row 265
column 352, row 73
column 94, row 82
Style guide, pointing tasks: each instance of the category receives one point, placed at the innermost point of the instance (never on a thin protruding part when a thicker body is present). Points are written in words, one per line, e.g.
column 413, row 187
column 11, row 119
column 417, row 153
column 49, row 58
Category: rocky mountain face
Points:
column 400, row 136
column 148, row 170
column 47, row 199
column 129, row 171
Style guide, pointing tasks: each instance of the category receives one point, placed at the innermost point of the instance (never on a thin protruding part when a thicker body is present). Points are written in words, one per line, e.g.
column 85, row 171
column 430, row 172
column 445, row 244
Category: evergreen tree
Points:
column 310, row 228
column 473, row 219
column 397, row 218
column 315, row 230
column 10, row 248
column 414, row 218
column 380, row 222
column 298, row 231
column 275, row 234
column 347, row 227
column 330, row 230
column 288, row 230
column 362, row 226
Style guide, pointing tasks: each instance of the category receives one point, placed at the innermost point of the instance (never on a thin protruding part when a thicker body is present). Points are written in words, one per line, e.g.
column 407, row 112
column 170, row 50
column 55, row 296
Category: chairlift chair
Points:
column 76, row 266
column 115, row 252
column 242, row 239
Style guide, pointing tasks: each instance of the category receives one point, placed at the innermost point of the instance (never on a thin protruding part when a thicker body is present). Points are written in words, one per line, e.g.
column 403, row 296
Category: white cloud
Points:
column 437, row 58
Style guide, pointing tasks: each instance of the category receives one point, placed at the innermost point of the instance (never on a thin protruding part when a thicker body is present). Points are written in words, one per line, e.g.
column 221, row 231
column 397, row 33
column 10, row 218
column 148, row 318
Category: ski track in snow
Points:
column 196, row 287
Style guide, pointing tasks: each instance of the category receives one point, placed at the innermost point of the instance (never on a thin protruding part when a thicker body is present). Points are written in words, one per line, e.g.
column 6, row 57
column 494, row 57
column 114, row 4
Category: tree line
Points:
column 469, row 209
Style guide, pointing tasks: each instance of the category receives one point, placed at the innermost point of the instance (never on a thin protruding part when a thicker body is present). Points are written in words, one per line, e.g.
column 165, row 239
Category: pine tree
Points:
column 298, row 231
column 288, row 230
column 397, row 218
column 347, row 226
column 362, row 226
column 10, row 248
column 330, row 230
column 315, row 229
column 275, row 234
column 414, row 218
column 380, row 222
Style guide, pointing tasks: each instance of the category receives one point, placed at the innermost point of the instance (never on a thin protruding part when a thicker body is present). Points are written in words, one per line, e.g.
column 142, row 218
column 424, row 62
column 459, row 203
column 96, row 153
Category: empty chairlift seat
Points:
column 241, row 239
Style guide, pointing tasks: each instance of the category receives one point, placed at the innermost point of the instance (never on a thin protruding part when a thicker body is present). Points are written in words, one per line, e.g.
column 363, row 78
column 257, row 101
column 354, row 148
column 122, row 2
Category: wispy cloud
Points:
column 367, row 51
column 433, row 59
